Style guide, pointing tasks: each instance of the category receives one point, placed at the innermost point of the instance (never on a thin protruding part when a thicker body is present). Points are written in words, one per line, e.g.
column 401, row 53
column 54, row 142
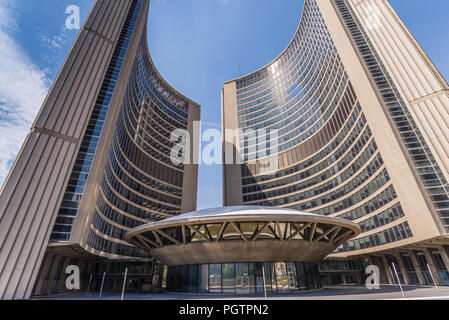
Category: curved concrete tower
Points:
column 353, row 118
column 97, row 160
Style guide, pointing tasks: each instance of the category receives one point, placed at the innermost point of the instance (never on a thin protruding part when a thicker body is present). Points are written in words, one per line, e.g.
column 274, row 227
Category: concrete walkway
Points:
column 333, row 293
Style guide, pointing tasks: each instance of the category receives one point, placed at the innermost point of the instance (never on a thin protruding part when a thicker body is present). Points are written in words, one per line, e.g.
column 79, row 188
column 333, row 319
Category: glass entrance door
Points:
column 281, row 277
column 242, row 282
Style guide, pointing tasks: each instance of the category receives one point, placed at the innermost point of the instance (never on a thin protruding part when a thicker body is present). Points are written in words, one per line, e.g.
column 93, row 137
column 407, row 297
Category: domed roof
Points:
column 236, row 210
column 242, row 234
column 239, row 213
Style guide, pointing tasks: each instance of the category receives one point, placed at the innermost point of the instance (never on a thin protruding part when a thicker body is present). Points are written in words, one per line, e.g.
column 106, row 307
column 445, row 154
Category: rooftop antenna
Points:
column 240, row 73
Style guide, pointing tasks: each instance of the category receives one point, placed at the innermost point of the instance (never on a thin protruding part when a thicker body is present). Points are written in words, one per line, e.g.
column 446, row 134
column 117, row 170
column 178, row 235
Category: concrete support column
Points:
column 446, row 249
column 421, row 278
column 61, row 287
column 51, row 276
column 387, row 270
column 445, row 256
column 377, row 261
column 402, row 268
column 434, row 270
column 43, row 275
column 83, row 274
column 369, row 260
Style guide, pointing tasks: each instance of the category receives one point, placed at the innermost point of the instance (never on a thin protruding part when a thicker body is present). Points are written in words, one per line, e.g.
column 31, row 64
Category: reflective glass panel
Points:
column 242, row 276
column 215, row 278
column 228, row 276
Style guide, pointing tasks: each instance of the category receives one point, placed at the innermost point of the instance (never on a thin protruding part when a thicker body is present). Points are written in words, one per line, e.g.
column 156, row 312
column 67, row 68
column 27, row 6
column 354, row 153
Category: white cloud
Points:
column 23, row 87
column 161, row 2
column 54, row 42
column 58, row 41
column 7, row 16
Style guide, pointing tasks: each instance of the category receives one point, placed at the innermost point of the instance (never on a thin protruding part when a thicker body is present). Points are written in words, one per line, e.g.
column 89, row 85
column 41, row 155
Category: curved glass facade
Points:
column 140, row 183
column 329, row 161
column 353, row 113
column 244, row 278
column 75, row 189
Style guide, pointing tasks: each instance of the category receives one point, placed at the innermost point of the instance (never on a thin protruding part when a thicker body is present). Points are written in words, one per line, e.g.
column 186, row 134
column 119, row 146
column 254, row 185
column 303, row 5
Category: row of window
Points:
column 307, row 76
column 101, row 244
column 171, row 99
column 149, row 144
column 337, row 114
column 139, row 188
column 386, row 217
column 311, row 146
column 155, row 136
column 394, row 234
column 107, row 210
column 320, row 161
column 313, row 117
column 116, row 157
column 147, row 110
column 295, row 87
column 139, row 94
column 315, row 49
column 299, row 48
column 376, row 184
column 143, row 161
column 131, row 196
column 128, row 207
column 382, row 199
column 301, row 177
column 336, row 194
column 311, row 17
column 108, row 229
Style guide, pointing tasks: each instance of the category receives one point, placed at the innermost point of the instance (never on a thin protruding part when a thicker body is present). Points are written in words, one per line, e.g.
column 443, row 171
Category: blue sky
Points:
column 195, row 44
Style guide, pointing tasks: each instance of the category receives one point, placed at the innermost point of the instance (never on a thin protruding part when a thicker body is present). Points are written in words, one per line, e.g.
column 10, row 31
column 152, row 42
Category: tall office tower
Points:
column 362, row 124
column 97, row 160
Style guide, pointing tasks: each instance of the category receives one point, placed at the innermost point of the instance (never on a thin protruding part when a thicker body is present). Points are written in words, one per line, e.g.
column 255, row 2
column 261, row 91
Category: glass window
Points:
column 437, row 259
column 272, row 272
column 215, row 278
column 185, row 278
column 228, row 276
column 242, row 276
column 292, row 276
column 193, row 279
column 308, row 275
column 252, row 278
column 258, row 275
column 281, row 277
column 203, row 277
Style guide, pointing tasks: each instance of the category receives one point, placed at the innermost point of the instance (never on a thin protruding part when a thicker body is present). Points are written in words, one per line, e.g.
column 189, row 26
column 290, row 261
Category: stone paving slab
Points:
column 340, row 293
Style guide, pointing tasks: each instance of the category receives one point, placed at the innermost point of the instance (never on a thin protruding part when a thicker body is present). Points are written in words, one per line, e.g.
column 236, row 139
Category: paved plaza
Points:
column 337, row 293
